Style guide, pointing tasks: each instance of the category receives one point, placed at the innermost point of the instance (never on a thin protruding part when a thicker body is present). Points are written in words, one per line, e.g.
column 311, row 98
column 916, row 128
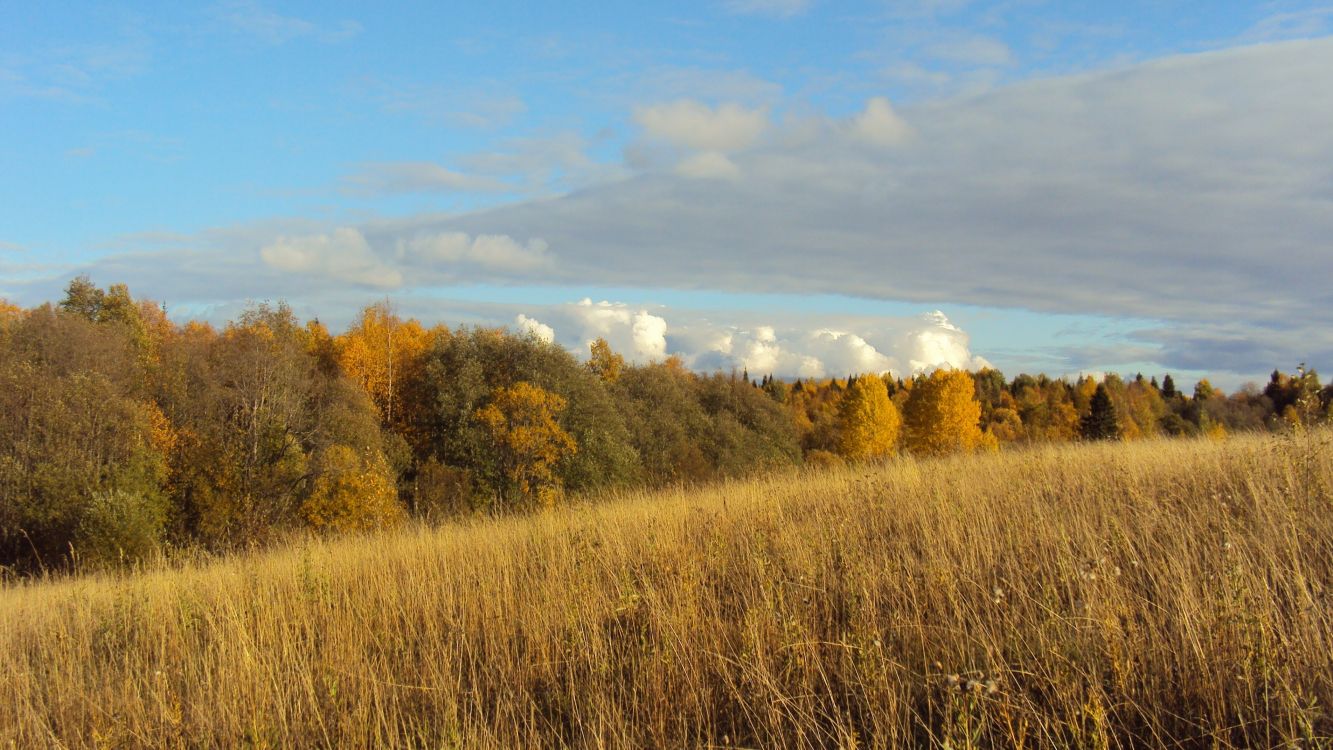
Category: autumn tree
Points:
column 748, row 432
column 465, row 367
column 778, row 390
column 1100, row 422
column 381, row 352
column 1004, row 421
column 9, row 314
column 868, row 422
column 666, row 423
column 521, row 420
column 352, row 491
column 81, row 467
column 1169, row 391
column 605, row 363
column 942, row 414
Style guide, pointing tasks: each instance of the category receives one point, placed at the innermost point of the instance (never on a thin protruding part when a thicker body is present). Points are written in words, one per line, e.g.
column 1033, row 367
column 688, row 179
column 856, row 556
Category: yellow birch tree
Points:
column 942, row 414
column 868, row 422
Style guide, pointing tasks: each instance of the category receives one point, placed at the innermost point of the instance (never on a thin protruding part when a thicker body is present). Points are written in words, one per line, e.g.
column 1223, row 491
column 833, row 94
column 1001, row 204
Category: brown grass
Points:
column 1160, row 594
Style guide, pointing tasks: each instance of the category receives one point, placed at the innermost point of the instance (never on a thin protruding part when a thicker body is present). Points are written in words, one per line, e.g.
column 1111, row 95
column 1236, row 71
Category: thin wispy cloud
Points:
column 393, row 178
column 774, row 8
column 457, row 106
column 253, row 19
column 1038, row 158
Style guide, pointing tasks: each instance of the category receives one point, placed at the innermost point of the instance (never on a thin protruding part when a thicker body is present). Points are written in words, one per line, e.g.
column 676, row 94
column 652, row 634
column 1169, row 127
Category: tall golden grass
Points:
column 1158, row 594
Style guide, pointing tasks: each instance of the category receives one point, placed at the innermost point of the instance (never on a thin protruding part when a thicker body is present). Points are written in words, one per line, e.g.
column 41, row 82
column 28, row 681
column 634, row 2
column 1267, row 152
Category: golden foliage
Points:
column 1060, row 597
column 868, row 422
column 8, row 313
column 942, row 414
column 604, row 362
column 529, row 441
column 352, row 492
column 382, row 352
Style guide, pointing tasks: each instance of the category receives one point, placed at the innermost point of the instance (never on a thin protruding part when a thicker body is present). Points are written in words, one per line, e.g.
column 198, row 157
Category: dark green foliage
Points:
column 1175, row 425
column 989, row 387
column 120, row 430
column 1169, row 391
column 776, row 389
column 72, row 435
column 464, row 368
column 749, row 431
column 1100, row 421
column 667, row 424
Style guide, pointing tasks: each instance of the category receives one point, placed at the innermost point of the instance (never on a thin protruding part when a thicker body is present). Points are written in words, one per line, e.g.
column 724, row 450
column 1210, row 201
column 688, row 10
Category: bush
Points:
column 119, row 527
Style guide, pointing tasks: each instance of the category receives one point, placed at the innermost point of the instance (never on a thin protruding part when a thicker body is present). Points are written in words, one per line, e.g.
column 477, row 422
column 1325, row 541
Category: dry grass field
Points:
column 1162, row 594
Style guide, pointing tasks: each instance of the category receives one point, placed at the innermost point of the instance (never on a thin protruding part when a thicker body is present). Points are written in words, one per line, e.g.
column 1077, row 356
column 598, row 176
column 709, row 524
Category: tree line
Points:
column 123, row 433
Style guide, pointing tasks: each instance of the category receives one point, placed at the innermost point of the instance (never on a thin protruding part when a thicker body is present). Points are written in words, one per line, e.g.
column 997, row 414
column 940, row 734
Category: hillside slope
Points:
column 1161, row 593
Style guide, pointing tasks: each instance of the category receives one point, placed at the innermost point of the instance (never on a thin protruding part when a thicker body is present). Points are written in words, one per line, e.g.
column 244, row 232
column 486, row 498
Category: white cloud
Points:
column 708, row 165
column 1159, row 190
column 533, row 327
column 823, row 347
column 689, row 123
column 636, row 333
column 342, row 254
column 937, row 344
column 879, row 125
column 492, row 251
column 1184, row 190
column 777, row 8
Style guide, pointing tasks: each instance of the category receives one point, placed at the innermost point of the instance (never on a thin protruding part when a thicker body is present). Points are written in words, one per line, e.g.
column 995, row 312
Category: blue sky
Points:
column 785, row 184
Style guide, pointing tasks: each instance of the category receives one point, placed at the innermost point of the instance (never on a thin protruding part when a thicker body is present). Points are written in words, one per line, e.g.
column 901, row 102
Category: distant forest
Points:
column 123, row 434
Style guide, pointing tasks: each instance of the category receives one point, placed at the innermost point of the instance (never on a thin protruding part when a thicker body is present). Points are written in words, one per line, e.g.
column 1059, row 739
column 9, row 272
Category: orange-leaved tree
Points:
column 528, row 442
column 387, row 356
column 9, row 314
column 868, row 422
column 942, row 414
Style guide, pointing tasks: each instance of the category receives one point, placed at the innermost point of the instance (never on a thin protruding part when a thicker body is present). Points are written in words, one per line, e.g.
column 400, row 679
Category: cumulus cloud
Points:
column 879, row 125
column 695, row 125
column 939, row 344
column 708, row 165
column 1165, row 190
column 813, row 350
column 342, row 254
column 533, row 327
column 639, row 334
column 1191, row 191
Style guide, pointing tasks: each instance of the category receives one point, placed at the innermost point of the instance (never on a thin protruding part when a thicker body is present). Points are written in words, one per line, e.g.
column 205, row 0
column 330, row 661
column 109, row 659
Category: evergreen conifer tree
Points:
column 1169, row 388
column 1100, row 421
